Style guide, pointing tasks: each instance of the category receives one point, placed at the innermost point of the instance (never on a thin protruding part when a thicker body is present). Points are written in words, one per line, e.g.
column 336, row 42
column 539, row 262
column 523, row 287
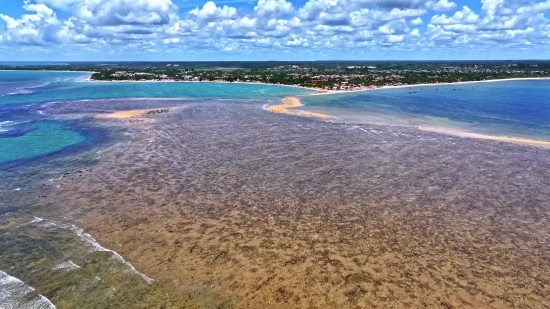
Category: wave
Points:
column 88, row 240
column 35, row 86
column 6, row 125
column 14, row 293
column 24, row 91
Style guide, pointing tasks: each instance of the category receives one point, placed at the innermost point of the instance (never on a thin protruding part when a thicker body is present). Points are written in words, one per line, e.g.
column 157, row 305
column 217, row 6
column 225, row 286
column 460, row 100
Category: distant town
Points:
column 320, row 75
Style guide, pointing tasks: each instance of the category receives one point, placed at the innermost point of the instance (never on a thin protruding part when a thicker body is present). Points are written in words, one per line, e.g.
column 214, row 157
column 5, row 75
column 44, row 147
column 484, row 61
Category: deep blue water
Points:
column 512, row 108
column 27, row 132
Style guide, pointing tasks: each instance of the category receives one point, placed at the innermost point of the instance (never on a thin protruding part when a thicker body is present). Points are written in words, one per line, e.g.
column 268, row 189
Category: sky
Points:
column 198, row 30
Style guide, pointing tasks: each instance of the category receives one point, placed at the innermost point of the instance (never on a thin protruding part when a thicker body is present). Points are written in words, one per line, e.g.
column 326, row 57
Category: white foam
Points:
column 89, row 240
column 35, row 220
column 13, row 292
column 69, row 265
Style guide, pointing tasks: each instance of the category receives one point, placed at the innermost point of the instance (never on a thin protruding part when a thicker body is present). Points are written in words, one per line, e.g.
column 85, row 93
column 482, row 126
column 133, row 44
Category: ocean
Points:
column 505, row 108
column 27, row 131
column 220, row 204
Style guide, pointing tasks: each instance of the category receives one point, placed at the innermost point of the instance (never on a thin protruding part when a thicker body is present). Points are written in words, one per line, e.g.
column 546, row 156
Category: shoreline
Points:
column 63, row 71
column 334, row 92
column 317, row 91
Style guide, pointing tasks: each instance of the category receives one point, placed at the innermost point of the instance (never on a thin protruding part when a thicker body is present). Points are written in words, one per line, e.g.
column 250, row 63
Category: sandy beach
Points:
column 317, row 91
column 334, row 92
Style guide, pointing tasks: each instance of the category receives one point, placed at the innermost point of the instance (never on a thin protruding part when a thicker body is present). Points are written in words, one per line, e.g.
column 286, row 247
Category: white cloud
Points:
column 395, row 38
column 58, row 4
column 125, row 12
column 443, row 6
column 273, row 8
column 466, row 16
column 318, row 26
column 417, row 22
column 39, row 28
column 211, row 12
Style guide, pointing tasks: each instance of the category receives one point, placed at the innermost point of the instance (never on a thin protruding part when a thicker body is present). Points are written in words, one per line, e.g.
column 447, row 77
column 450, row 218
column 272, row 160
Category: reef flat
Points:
column 226, row 205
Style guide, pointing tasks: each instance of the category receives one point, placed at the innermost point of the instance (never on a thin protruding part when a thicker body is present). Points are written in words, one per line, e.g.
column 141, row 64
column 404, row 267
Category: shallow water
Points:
column 28, row 130
column 509, row 108
column 262, row 210
column 14, row 294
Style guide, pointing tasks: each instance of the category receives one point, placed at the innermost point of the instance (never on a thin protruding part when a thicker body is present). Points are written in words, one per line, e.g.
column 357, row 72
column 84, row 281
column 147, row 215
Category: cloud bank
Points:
column 280, row 28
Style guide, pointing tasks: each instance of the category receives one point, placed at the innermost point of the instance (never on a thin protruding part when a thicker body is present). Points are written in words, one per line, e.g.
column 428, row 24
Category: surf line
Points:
column 89, row 240
column 288, row 105
column 13, row 292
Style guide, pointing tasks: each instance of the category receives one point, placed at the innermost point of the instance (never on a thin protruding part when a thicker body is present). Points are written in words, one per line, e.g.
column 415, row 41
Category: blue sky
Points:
column 166, row 30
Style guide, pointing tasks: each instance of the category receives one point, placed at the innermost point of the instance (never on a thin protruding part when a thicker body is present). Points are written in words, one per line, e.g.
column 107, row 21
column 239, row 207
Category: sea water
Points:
column 510, row 108
column 519, row 108
column 28, row 132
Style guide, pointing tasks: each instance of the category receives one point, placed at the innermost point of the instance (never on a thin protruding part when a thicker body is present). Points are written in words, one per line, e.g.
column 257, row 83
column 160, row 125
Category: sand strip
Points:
column 508, row 139
column 135, row 115
column 292, row 102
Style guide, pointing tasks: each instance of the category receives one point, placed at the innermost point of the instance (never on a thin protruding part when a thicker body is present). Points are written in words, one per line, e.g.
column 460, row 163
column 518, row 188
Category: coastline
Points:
column 317, row 91
column 334, row 92
column 89, row 72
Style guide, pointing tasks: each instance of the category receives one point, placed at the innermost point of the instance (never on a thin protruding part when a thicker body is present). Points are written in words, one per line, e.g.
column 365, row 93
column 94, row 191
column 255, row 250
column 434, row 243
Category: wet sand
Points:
column 266, row 210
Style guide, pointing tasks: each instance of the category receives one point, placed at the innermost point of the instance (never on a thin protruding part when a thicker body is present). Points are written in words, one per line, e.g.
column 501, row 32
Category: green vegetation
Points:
column 341, row 75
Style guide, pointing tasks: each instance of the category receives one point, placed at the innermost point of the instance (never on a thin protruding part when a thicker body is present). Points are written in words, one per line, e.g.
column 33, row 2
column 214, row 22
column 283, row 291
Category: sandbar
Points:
column 292, row 102
column 508, row 139
column 124, row 114
column 133, row 113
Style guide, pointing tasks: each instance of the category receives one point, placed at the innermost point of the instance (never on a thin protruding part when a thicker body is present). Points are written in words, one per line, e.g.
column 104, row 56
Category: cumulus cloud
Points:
column 466, row 16
column 211, row 12
column 38, row 28
column 273, row 8
column 417, row 21
column 316, row 25
column 443, row 6
column 124, row 12
column 59, row 4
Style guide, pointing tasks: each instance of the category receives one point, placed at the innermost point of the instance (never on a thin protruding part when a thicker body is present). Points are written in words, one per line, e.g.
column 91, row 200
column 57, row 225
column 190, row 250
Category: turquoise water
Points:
column 46, row 138
column 512, row 108
column 26, row 132
column 31, row 87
